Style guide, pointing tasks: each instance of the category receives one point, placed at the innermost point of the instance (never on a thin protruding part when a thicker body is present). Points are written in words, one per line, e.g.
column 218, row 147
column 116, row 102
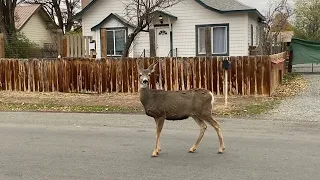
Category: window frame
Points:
column 226, row 25
column 226, row 39
column 114, row 39
column 257, row 35
column 198, row 41
column 251, row 35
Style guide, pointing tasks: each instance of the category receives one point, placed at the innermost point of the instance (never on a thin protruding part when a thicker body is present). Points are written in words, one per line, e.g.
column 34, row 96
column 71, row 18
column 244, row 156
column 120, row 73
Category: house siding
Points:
column 253, row 20
column 183, row 28
column 99, row 12
column 36, row 30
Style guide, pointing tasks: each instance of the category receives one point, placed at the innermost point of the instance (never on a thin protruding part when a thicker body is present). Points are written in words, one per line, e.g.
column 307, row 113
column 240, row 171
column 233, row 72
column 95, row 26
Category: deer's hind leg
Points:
column 159, row 125
column 216, row 126
column 203, row 128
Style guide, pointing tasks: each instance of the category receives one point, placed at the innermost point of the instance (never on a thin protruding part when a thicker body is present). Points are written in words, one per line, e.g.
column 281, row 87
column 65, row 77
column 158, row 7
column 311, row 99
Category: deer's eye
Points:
column 149, row 74
column 140, row 75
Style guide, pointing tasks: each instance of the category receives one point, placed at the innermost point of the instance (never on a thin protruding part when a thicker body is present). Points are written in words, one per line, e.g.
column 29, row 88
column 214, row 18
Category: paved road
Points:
column 61, row 146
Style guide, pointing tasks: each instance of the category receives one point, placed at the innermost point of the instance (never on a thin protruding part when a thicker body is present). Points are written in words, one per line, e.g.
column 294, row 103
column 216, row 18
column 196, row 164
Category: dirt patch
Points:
column 130, row 103
column 115, row 102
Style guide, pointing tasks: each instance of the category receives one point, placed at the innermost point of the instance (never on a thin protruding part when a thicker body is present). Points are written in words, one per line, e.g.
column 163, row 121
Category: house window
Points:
column 251, row 35
column 219, row 40
column 116, row 39
column 201, row 40
column 257, row 35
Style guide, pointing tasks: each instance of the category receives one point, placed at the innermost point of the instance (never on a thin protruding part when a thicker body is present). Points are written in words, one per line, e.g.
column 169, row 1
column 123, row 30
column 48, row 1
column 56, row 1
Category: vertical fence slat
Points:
column 252, row 65
column 129, row 75
column 135, row 75
column 233, row 76
column 188, row 73
column 220, row 76
column 259, row 76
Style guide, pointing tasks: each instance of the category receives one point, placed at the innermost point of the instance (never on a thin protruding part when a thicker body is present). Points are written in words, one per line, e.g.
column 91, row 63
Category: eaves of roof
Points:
column 84, row 10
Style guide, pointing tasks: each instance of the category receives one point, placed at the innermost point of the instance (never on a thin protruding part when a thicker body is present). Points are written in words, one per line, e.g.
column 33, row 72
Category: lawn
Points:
column 129, row 102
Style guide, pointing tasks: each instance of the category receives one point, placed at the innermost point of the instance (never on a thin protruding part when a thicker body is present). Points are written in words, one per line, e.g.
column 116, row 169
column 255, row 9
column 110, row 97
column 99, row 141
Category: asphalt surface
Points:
column 62, row 146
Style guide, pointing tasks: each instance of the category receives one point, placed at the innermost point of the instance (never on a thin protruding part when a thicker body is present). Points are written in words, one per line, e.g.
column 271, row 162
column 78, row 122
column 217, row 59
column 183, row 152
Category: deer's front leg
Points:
column 159, row 125
column 203, row 128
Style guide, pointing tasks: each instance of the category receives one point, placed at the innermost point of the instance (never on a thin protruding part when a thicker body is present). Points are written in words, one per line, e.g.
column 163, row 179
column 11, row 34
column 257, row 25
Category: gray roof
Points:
column 221, row 6
column 226, row 5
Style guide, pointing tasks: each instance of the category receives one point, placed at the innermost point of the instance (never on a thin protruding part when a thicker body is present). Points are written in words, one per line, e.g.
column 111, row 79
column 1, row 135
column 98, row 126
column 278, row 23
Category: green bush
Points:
column 19, row 46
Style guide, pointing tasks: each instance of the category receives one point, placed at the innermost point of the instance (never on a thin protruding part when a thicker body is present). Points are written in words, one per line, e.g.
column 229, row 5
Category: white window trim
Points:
column 199, row 40
column 226, row 39
column 114, row 40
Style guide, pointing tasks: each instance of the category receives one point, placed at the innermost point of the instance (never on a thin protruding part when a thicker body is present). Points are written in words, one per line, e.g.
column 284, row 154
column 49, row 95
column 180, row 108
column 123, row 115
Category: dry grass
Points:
column 292, row 84
column 129, row 103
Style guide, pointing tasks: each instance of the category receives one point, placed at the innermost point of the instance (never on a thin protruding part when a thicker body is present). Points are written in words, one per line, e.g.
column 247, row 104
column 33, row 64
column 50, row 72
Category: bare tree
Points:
column 7, row 21
column 277, row 17
column 141, row 13
column 60, row 10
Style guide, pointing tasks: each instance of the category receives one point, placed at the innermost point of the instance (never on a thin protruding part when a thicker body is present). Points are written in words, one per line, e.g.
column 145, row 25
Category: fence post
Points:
column 1, row 46
column 290, row 61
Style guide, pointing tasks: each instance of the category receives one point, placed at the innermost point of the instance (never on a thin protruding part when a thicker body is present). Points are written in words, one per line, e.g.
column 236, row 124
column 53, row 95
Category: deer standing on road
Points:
column 177, row 105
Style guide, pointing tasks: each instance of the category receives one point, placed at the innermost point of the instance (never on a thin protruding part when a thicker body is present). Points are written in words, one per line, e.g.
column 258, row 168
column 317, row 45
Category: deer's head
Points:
column 144, row 75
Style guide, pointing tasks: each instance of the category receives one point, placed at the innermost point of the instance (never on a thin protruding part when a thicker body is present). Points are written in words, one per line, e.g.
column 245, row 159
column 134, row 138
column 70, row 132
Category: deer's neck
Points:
column 145, row 95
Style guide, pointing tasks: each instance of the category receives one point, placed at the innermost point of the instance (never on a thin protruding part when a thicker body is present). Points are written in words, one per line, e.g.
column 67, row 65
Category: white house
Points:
column 231, row 26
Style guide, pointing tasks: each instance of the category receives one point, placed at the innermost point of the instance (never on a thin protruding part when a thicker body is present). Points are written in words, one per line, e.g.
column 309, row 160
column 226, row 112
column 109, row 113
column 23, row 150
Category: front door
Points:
column 162, row 41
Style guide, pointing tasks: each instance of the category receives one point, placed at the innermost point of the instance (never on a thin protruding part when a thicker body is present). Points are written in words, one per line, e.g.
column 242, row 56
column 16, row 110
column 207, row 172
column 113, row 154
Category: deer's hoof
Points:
column 192, row 150
column 155, row 154
column 220, row 152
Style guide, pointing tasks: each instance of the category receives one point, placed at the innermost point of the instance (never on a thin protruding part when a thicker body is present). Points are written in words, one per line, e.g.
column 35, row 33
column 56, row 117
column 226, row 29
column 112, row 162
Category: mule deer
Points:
column 177, row 105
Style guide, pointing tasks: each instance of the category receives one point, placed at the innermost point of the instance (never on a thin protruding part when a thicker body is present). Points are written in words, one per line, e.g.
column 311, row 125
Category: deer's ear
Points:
column 152, row 67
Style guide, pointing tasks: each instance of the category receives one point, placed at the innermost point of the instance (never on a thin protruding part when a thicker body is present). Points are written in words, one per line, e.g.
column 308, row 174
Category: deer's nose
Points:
column 145, row 81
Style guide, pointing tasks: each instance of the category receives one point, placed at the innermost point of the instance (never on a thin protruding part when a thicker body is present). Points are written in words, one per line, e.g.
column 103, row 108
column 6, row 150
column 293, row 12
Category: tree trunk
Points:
column 7, row 22
column 128, row 43
column 131, row 38
column 56, row 7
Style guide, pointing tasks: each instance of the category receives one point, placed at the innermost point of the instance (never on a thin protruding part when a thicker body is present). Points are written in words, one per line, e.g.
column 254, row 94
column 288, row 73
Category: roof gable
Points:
column 220, row 6
column 23, row 13
column 110, row 16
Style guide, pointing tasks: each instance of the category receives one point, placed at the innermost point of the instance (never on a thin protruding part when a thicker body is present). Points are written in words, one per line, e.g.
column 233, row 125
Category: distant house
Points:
column 284, row 36
column 35, row 24
column 232, row 28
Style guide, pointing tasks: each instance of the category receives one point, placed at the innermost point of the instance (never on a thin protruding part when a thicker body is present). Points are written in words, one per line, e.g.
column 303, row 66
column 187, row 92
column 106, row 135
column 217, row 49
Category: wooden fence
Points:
column 277, row 70
column 1, row 46
column 249, row 75
column 76, row 46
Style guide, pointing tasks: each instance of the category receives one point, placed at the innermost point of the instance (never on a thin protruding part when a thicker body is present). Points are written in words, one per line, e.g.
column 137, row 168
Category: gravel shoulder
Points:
column 305, row 106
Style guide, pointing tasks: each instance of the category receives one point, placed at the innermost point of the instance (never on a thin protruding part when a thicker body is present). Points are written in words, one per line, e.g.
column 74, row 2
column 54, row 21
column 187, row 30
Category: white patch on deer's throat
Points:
column 212, row 100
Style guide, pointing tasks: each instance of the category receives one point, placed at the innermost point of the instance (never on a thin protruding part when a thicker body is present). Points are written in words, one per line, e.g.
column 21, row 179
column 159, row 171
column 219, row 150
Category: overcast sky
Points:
column 261, row 5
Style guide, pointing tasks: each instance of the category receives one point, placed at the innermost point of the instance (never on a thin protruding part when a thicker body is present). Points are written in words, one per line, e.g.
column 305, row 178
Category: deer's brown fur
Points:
column 177, row 105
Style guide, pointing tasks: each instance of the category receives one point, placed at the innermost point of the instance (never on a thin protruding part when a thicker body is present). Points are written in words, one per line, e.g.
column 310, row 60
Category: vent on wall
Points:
column 163, row 32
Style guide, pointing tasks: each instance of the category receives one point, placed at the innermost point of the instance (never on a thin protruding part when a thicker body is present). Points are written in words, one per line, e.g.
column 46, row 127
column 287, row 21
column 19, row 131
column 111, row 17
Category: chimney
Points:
column 84, row 3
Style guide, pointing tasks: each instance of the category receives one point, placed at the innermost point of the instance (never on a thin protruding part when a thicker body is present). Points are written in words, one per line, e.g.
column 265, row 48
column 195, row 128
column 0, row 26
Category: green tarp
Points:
column 305, row 52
